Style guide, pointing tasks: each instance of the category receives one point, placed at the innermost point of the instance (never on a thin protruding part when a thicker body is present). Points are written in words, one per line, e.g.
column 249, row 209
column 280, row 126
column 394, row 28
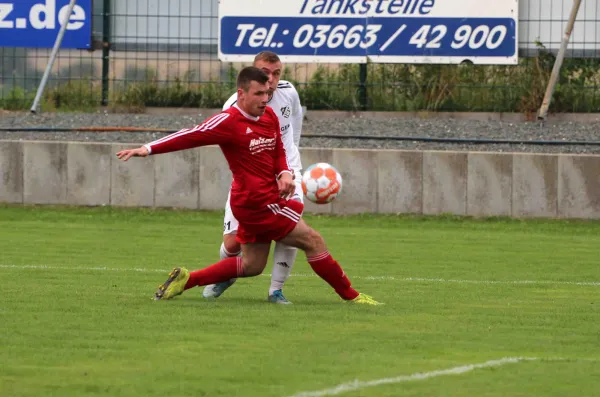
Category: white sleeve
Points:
column 230, row 102
column 297, row 117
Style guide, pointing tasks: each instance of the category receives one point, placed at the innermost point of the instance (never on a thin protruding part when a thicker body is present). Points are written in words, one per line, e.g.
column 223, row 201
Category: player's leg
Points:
column 254, row 258
column 322, row 263
column 305, row 238
column 252, row 263
column 229, row 248
column 284, row 257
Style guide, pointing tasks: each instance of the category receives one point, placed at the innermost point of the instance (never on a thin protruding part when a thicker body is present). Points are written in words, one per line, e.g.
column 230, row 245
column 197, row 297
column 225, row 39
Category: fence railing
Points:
column 164, row 53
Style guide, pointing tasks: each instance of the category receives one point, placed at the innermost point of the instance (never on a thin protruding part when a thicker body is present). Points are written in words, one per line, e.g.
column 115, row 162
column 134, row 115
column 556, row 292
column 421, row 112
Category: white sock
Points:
column 284, row 257
column 223, row 253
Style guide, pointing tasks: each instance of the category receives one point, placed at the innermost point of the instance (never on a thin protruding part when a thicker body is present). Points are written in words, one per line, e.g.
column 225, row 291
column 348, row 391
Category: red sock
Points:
column 331, row 271
column 221, row 271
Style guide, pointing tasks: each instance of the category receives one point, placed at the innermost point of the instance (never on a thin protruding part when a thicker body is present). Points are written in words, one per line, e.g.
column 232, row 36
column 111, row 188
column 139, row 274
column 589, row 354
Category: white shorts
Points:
column 230, row 224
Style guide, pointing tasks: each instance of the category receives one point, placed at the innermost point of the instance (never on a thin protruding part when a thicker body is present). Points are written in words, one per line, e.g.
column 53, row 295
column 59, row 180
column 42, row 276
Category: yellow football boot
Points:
column 174, row 285
column 365, row 300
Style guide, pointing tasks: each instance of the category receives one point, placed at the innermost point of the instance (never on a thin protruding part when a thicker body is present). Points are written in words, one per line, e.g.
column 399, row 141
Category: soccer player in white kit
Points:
column 286, row 104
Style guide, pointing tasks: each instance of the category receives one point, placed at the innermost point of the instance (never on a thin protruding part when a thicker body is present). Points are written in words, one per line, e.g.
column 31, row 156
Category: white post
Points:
column 543, row 112
column 57, row 44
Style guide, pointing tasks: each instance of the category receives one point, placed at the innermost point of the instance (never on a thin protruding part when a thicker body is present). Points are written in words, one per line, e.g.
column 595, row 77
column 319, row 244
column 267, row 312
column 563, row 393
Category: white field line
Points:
column 358, row 385
column 93, row 268
column 309, row 275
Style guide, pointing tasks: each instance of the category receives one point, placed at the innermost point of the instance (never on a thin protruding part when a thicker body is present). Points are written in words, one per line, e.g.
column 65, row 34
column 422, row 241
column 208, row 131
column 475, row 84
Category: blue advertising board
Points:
column 36, row 23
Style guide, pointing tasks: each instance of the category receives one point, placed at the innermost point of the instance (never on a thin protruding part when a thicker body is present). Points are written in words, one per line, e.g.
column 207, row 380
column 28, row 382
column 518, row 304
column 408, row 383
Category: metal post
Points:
column 106, row 33
column 543, row 112
column 362, row 88
column 57, row 44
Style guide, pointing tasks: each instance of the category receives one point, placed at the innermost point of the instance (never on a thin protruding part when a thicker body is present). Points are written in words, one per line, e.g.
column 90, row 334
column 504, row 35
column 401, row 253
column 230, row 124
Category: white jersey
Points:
column 286, row 104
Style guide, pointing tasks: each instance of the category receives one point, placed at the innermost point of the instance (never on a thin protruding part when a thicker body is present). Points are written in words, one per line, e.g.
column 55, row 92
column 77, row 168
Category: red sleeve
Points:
column 281, row 164
column 213, row 131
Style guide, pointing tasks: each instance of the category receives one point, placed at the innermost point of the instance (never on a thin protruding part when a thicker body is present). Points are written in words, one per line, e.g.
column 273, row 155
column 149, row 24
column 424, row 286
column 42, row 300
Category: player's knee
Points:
column 315, row 240
column 231, row 245
column 253, row 266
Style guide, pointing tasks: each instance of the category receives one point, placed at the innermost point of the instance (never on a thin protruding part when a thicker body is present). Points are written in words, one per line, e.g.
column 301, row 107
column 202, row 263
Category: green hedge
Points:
column 389, row 87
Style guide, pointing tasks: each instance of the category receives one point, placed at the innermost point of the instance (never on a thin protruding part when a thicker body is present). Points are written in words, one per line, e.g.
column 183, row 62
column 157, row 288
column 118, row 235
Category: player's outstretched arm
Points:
column 213, row 131
column 129, row 153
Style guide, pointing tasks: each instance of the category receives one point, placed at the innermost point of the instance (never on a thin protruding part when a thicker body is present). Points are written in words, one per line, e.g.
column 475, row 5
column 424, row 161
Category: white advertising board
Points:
column 381, row 31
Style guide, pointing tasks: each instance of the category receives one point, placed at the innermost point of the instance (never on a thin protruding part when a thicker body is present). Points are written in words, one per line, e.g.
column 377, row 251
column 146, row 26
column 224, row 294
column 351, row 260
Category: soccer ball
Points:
column 321, row 183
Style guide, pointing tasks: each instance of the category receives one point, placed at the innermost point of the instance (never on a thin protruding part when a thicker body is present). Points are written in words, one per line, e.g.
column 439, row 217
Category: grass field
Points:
column 77, row 318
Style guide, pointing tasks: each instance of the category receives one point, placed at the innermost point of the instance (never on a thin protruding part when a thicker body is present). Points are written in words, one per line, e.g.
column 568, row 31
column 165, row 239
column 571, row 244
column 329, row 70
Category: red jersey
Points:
column 251, row 145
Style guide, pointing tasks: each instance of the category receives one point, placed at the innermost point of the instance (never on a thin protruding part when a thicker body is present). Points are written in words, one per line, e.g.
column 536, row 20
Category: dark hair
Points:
column 267, row 56
column 250, row 74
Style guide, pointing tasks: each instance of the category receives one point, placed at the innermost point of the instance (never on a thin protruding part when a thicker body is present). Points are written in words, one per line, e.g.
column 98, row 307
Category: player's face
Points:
column 273, row 70
column 254, row 101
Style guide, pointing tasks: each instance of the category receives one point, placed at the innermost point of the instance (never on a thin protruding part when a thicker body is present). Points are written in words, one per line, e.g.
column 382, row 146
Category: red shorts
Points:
column 272, row 223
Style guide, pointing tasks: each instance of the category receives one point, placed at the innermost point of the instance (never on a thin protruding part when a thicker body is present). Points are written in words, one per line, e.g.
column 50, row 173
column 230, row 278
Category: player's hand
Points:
column 286, row 186
column 128, row 153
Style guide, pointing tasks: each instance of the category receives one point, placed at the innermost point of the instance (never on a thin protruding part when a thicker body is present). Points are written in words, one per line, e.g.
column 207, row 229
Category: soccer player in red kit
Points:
column 250, row 138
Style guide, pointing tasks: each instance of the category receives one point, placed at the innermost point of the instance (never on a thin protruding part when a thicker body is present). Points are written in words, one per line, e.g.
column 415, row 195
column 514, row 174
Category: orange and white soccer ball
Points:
column 321, row 183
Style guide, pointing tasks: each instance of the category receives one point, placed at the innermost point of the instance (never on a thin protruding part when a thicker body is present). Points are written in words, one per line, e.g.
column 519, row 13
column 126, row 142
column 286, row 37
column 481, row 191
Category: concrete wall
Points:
column 385, row 181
